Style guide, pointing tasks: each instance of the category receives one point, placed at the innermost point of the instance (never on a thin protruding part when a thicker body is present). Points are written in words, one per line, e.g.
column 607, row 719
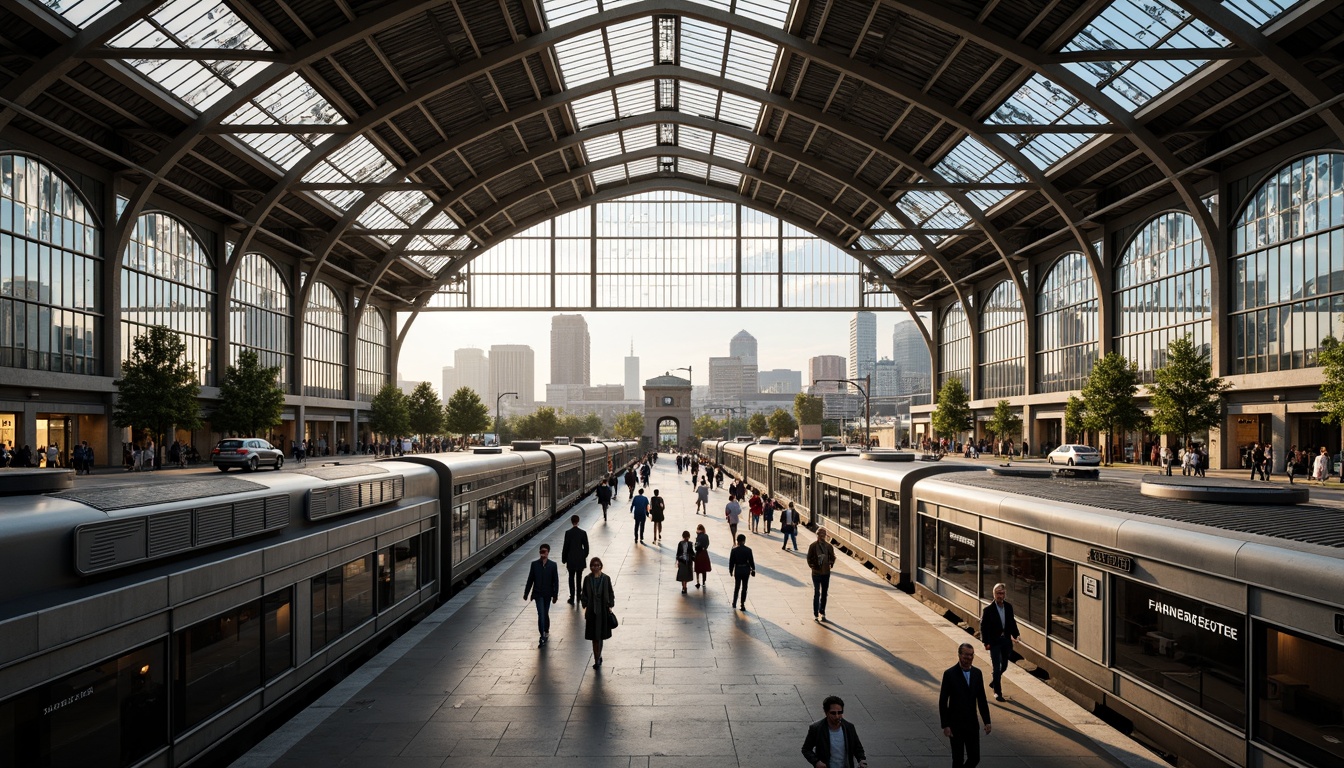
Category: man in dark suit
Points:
column 962, row 693
column 998, row 631
column 832, row 742
column 543, row 586
column 574, row 554
column 741, row 566
column 604, row 492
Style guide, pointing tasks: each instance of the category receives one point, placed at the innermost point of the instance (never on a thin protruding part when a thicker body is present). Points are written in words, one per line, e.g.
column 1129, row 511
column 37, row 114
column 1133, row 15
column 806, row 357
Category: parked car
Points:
column 247, row 453
column 1074, row 455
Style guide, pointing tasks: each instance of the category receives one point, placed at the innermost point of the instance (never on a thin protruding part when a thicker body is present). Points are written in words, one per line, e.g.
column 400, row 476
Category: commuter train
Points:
column 147, row 624
column 1213, row 632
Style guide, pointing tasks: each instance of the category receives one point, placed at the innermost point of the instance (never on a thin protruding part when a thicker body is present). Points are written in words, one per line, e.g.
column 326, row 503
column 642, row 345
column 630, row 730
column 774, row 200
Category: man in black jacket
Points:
column 962, row 693
column 832, row 742
column 574, row 553
column 543, row 587
column 741, row 566
column 998, row 631
column 604, row 492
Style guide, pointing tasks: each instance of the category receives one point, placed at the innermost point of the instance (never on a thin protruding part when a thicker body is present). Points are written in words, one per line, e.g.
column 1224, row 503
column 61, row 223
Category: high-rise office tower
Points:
column 473, row 370
column 886, row 379
column 728, row 380
column 780, row 381
column 743, row 345
column 449, row 382
column 826, row 367
column 632, row 390
column 571, row 351
column 862, row 344
column 513, row 369
column 911, row 355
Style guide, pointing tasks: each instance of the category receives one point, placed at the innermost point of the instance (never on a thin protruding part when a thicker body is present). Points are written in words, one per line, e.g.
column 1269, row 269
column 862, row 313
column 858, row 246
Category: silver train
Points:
column 147, row 625
column 1213, row 632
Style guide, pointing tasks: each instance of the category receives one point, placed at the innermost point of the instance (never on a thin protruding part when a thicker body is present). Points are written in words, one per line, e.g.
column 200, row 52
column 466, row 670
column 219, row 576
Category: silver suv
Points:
column 246, row 452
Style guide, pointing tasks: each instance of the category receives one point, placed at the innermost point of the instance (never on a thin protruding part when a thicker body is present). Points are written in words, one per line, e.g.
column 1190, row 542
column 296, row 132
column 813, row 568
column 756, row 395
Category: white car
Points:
column 1074, row 455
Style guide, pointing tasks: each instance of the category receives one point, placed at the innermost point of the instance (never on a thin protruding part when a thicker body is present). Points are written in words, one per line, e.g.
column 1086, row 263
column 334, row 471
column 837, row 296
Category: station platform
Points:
column 686, row 680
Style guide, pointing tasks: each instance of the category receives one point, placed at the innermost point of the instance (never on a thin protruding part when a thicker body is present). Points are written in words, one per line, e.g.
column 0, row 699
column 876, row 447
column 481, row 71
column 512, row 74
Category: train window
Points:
column 1297, row 706
column 1192, row 651
column 342, row 599
column 277, row 608
column 461, row 544
column 107, row 715
column 788, row 485
column 325, row 619
column 889, row 525
column 928, row 543
column 218, row 663
column 1021, row 570
column 356, row 592
column 427, row 557
column 503, row 512
column 568, row 482
column 958, row 561
column 1063, row 578
column 544, row 503
column 830, row 503
column 396, row 572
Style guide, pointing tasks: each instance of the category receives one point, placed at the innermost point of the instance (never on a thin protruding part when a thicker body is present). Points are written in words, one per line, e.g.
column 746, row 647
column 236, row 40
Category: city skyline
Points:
column 664, row 341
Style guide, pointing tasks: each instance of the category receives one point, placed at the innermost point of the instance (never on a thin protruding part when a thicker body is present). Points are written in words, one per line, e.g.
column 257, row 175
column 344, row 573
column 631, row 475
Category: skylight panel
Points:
column 80, row 12
column 582, row 59
column 643, row 167
column 1259, row 12
column 631, row 46
column 591, row 110
column 971, row 161
column 697, row 139
column 893, row 263
column 205, row 25
column 609, row 175
column 774, row 11
column 739, row 111
column 642, row 137
column 702, row 46
column 725, row 176
column 377, row 216
column 750, row 60
column 939, row 209
column 361, row 161
column 699, row 100
column 730, row 148
column 280, row 148
column 602, row 147
column 407, row 205
column 692, row 168
column 636, row 99
column 431, row 264
column 887, row 221
column 1039, row 101
column 560, row 11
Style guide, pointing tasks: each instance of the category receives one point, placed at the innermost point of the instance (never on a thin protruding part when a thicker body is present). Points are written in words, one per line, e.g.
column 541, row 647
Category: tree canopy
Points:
column 1330, row 358
column 389, row 415
column 1186, row 396
column 465, row 414
column 757, row 424
column 541, row 424
column 424, row 411
column 251, row 401
column 782, row 424
column 158, row 388
column 1074, row 423
column 707, row 427
column 1110, row 402
column 630, row 426
column 1004, row 423
column 952, row 416
column 808, row 409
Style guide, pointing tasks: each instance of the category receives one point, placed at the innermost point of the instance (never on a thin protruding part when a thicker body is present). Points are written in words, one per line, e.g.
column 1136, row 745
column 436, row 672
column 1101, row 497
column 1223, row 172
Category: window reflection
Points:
column 1297, row 707
column 324, row 337
column 167, row 279
column 1162, row 292
column 260, row 316
column 1002, row 343
column 373, row 354
column 1066, row 325
column 954, row 346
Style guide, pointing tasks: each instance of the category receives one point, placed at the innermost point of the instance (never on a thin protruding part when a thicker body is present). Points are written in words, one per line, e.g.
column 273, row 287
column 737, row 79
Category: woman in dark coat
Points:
column 702, row 567
column 656, row 508
column 597, row 598
column 685, row 559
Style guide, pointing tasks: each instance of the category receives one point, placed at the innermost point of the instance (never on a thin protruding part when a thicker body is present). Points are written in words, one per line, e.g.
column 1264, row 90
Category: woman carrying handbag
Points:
column 685, row 559
column 597, row 598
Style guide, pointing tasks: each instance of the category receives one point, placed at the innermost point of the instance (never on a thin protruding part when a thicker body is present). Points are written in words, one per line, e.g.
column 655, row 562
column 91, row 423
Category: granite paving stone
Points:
column 686, row 680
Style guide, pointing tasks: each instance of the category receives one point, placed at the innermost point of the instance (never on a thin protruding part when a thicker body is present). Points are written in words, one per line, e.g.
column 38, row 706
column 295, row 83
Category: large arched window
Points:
column 954, row 346
column 260, row 316
column 324, row 338
column 1162, row 292
column 167, row 279
column 1288, row 267
column 1003, row 329
column 373, row 355
column 50, row 311
column 1066, row 325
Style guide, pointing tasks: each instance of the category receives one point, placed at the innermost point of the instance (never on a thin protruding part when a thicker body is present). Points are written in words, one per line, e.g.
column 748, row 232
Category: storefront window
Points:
column 1298, row 707
column 1192, row 651
column 1066, row 325
column 1062, row 612
column 958, row 561
column 1003, row 339
column 1021, row 571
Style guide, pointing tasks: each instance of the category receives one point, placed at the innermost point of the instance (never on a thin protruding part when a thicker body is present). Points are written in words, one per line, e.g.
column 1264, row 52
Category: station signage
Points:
column 1111, row 560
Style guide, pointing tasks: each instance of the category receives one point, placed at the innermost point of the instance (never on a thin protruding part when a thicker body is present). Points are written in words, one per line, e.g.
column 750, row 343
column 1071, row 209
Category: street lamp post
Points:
column 499, row 438
column 867, row 404
column 732, row 414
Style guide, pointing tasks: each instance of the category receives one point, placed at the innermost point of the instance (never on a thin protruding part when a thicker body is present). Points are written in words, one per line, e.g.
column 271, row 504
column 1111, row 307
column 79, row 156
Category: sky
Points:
column 663, row 341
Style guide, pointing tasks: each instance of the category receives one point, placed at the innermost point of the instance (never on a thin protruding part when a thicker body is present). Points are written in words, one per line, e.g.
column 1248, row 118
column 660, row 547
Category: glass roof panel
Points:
column 725, row 176
column 694, row 138
column 643, row 137
column 646, row 166
column 692, row 168
column 739, row 111
column 631, row 45
column 702, row 46
column 582, row 59
column 730, row 148
column 283, row 149
column 894, row 263
column 431, row 264
column 591, row 110
column 699, row 100
column 602, row 147
column 636, row 99
column 560, row 11
column 1040, row 101
column 972, row 161
column 750, row 60
column 357, row 161
column 609, row 175
column 80, row 12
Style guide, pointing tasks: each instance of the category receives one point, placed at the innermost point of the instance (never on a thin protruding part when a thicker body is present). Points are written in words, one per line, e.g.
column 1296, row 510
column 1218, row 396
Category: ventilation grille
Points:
column 129, row 541
column 353, row 497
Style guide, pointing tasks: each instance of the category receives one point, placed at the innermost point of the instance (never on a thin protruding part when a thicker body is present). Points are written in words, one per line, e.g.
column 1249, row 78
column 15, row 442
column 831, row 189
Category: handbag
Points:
column 611, row 620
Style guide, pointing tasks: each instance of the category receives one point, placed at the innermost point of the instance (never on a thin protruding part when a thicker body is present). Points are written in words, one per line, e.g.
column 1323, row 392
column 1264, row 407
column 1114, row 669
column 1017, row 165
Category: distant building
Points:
column 743, row 345
column 473, row 370
column 886, row 379
column 633, row 389
column 571, row 351
column 826, row 367
column 449, row 382
column 407, row 387
column 513, row 369
column 780, row 381
column 911, row 355
column 730, row 380
column 862, row 344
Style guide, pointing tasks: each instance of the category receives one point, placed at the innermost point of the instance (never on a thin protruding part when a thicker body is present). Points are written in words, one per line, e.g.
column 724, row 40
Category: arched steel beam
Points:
column 1272, row 58
column 24, row 89
column 651, row 185
column 519, row 162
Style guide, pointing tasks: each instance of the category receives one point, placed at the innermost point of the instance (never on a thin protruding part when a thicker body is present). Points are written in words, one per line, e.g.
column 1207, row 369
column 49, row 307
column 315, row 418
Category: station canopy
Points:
column 395, row 142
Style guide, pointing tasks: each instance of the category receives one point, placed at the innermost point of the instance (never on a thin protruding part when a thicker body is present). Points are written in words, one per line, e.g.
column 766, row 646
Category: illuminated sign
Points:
column 1204, row 623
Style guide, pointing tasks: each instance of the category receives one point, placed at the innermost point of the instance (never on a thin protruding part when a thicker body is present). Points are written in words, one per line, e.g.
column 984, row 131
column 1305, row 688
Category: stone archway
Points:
column 663, row 436
column 667, row 398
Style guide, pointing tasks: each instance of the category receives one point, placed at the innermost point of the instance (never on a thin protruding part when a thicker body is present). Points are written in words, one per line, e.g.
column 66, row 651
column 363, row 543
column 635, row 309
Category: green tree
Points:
column 541, row 424
column 158, row 388
column 757, row 425
column 1186, row 396
column 1330, row 359
column 808, row 409
column 706, row 427
column 782, row 424
column 1110, row 398
column 424, row 411
column 1074, row 421
column 1004, row 423
column 389, row 415
column 251, row 400
column 952, row 416
column 465, row 414
column 630, row 426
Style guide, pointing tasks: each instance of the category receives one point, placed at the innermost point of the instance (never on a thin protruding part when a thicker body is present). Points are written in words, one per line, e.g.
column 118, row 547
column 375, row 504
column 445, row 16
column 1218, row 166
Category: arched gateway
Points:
column 667, row 398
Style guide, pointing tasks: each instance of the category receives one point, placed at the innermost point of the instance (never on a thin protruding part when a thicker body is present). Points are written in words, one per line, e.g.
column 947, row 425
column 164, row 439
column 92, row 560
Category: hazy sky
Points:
column 663, row 340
